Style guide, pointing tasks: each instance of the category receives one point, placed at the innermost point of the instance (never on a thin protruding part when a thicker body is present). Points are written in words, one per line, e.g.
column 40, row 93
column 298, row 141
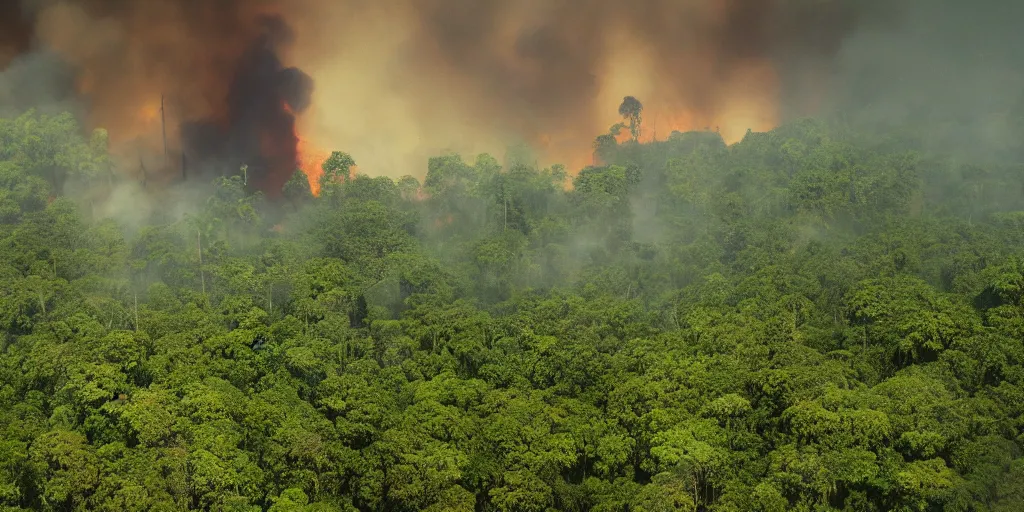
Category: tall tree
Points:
column 632, row 110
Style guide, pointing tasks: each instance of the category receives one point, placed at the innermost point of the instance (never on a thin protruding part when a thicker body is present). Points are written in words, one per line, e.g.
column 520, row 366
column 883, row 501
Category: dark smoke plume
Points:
column 262, row 101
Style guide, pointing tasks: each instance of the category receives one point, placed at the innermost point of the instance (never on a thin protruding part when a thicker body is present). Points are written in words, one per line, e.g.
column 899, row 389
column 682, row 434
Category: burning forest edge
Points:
column 224, row 84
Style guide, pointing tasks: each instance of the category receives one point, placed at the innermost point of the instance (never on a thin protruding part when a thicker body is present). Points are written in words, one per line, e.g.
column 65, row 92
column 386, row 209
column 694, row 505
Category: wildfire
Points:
column 311, row 161
column 309, row 158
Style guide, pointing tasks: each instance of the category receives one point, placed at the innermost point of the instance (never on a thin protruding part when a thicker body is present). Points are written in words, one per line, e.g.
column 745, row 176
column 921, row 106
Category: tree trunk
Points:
column 202, row 275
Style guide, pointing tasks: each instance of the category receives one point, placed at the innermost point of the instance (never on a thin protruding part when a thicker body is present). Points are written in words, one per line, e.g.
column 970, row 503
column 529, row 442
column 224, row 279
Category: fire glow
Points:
column 308, row 157
column 311, row 162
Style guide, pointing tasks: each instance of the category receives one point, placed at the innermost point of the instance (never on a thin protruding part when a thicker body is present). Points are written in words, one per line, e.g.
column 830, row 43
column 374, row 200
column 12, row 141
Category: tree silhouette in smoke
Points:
column 632, row 110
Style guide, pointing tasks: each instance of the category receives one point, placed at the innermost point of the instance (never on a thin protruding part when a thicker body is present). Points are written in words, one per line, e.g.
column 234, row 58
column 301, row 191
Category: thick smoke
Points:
column 409, row 77
column 406, row 76
column 951, row 71
column 399, row 80
column 552, row 60
column 201, row 79
column 16, row 33
column 263, row 98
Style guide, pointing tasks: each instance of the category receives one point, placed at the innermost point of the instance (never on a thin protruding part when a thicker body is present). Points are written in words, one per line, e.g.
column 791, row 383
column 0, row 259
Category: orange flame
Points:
column 310, row 159
column 311, row 162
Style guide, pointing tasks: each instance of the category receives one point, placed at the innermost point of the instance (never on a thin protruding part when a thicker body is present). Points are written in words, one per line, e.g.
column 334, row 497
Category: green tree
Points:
column 297, row 189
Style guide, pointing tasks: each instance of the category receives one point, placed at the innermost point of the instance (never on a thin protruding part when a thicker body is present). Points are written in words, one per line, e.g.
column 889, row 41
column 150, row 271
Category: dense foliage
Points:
column 812, row 319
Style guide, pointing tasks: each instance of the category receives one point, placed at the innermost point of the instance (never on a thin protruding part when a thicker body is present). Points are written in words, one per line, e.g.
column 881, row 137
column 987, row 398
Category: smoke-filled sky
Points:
column 395, row 81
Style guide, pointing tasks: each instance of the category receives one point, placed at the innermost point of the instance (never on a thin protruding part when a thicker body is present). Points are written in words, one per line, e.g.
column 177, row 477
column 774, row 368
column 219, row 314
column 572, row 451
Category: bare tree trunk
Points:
column 202, row 275
column 163, row 129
